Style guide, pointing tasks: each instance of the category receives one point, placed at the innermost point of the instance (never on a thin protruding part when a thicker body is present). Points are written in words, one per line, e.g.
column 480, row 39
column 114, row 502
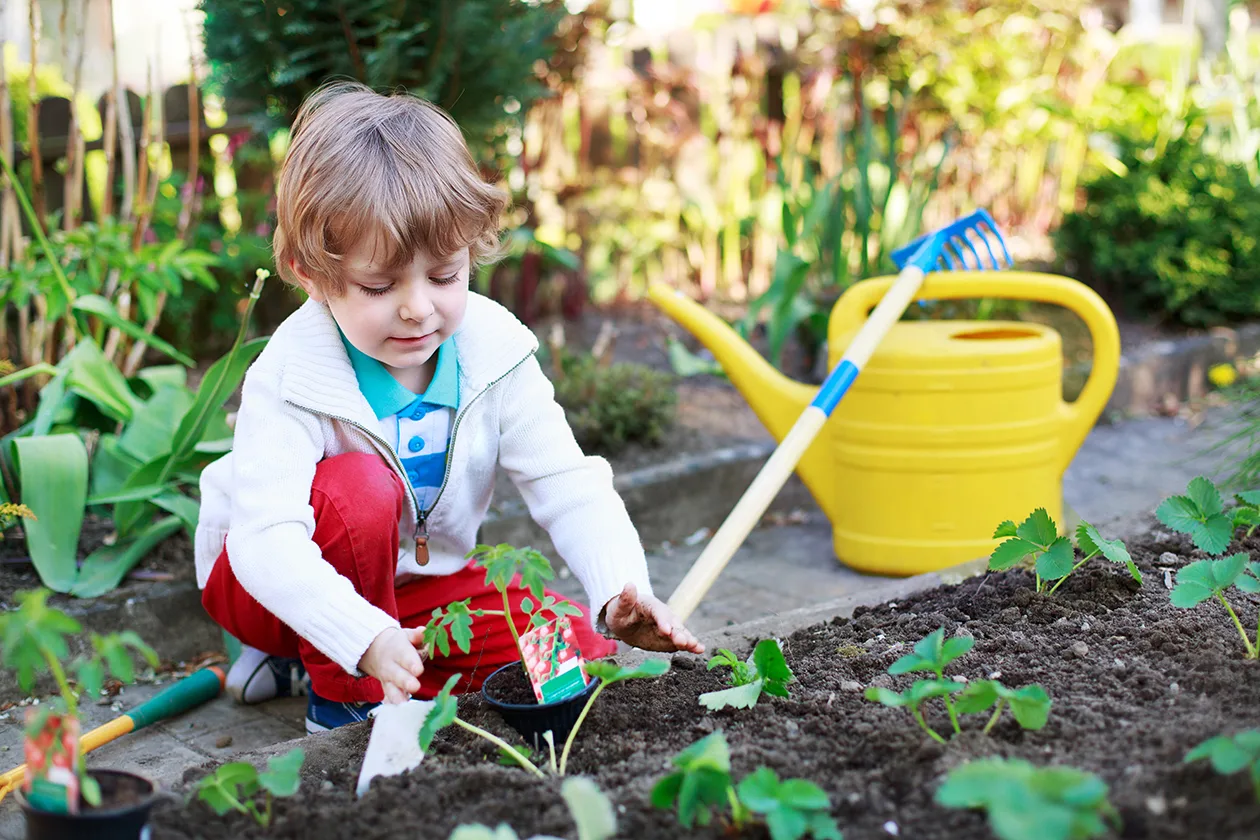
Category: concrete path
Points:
column 1120, row 475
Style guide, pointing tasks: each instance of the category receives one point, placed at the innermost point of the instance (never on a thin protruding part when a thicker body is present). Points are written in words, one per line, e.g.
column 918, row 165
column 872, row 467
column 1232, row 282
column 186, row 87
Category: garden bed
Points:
column 1135, row 684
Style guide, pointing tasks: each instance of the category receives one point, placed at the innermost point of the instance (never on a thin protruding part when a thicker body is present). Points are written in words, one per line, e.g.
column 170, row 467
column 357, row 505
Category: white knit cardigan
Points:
column 301, row 403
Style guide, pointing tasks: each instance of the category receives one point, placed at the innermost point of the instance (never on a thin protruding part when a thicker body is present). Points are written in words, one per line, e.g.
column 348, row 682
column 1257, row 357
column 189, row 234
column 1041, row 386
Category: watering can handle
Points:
column 856, row 303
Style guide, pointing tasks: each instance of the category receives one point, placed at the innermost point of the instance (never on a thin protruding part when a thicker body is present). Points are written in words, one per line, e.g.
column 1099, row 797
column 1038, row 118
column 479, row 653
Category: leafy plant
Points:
column 233, row 786
column 702, row 785
column 1024, row 802
column 1030, row 705
column 610, row 406
column 1037, row 538
column 33, row 639
column 502, row 562
column 1201, row 515
column 1230, row 754
column 765, row 671
column 1175, row 235
column 150, row 438
column 591, row 810
column 1204, row 579
column 608, row 673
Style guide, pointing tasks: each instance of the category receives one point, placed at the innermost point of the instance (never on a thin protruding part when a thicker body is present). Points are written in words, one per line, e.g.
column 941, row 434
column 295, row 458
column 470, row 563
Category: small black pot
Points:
column 533, row 719
column 112, row 822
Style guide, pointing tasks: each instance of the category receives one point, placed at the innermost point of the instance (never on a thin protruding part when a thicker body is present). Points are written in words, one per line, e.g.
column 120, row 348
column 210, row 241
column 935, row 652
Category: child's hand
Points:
column 645, row 622
column 393, row 659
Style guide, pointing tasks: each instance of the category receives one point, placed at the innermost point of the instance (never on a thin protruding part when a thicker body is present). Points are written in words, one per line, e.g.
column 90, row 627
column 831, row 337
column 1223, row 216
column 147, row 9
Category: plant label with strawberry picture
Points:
column 52, row 757
column 556, row 669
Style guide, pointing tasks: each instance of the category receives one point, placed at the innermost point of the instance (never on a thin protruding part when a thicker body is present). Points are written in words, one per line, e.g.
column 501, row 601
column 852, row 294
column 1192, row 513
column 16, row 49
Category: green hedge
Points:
column 1176, row 237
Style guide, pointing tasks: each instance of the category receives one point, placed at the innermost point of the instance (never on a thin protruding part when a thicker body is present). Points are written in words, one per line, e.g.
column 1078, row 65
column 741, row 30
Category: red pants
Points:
column 358, row 501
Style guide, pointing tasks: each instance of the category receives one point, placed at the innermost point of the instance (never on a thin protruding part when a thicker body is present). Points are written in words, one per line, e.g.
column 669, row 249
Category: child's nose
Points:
column 417, row 306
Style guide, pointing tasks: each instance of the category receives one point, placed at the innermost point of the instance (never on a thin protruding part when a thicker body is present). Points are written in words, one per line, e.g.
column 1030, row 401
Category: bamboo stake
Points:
column 110, row 129
column 32, row 118
column 8, row 204
column 75, row 146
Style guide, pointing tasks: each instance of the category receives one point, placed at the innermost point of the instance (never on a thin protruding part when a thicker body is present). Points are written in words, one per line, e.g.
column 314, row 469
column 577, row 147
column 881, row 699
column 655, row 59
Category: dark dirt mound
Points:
column 1149, row 683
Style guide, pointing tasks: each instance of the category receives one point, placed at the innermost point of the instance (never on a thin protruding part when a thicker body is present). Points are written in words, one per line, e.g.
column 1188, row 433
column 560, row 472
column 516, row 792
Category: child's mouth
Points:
column 411, row 341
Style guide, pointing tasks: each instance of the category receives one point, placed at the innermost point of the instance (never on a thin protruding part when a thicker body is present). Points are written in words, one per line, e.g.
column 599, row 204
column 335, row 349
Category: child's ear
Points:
column 308, row 285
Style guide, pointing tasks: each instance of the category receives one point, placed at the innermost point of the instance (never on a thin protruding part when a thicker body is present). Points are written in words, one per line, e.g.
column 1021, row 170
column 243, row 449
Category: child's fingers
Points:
column 393, row 694
column 415, row 635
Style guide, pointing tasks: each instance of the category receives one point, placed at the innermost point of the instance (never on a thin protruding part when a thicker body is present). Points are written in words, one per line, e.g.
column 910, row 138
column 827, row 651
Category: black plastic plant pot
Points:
column 533, row 719
column 126, row 800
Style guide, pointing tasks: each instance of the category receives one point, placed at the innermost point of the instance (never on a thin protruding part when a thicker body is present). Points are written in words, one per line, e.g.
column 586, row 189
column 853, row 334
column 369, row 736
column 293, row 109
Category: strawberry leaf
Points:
column 283, row 775
column 1038, row 528
column 1091, row 542
column 1195, row 584
column 1205, row 496
column 1006, row 529
column 1010, row 554
column 441, row 715
column 886, row 696
column 926, row 655
column 739, row 697
column 978, row 696
column 1031, row 706
column 1251, row 497
column 1057, row 560
column 771, row 665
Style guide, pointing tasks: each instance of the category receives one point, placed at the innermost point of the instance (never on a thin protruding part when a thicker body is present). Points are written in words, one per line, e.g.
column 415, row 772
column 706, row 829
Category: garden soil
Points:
column 1135, row 684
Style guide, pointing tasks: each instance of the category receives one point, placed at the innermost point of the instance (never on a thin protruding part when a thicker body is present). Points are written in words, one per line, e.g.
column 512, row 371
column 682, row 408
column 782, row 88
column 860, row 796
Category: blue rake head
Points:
column 954, row 247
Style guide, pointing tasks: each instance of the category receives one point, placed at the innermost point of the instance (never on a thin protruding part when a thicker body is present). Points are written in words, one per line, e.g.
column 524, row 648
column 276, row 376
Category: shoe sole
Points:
column 313, row 728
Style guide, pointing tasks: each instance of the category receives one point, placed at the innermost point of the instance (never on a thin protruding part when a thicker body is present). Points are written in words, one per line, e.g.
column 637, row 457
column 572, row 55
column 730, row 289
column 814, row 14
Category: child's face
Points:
column 399, row 316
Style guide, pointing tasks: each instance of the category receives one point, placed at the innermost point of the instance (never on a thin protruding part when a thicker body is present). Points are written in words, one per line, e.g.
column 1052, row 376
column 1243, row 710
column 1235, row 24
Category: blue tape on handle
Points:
column 834, row 389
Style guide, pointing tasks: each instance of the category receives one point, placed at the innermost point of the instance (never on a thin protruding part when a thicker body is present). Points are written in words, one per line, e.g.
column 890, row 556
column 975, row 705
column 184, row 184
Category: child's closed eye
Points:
column 375, row 291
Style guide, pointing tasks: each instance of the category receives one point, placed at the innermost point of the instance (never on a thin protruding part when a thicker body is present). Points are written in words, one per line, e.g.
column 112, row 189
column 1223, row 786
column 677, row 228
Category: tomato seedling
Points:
column 1204, row 579
column 1230, row 754
column 1030, row 705
column 1024, row 802
column 702, row 788
column 232, row 787
column 765, row 671
column 1037, row 538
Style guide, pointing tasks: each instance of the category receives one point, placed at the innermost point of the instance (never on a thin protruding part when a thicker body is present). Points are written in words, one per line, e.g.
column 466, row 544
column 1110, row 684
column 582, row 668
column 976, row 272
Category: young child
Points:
column 371, row 425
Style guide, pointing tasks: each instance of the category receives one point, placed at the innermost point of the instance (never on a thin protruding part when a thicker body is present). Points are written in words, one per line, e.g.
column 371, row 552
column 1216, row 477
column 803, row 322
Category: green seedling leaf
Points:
column 1004, row 530
column 792, row 808
column 739, row 697
column 481, row 832
column 765, row 671
column 1024, row 802
column 283, row 775
column 1036, row 537
column 1251, row 497
column 1231, row 754
column 771, row 666
column 1199, row 514
column 505, row 757
column 1091, row 542
column 91, row 676
column 741, row 674
column 503, row 562
column 610, row 672
column 227, row 787
column 454, row 621
column 31, row 631
column 932, row 653
column 1038, row 529
column 441, row 715
column 700, row 784
column 1057, row 560
column 1029, row 705
column 591, row 810
column 1204, row 579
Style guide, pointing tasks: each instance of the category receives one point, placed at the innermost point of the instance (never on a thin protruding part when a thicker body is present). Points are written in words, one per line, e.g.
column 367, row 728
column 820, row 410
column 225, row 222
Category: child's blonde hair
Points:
column 396, row 167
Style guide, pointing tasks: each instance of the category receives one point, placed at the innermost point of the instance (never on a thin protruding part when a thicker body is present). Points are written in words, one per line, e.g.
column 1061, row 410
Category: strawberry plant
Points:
column 765, row 671
column 702, row 785
column 1024, row 802
column 1201, row 515
column 445, row 712
column 1230, row 754
column 1037, row 539
column 591, row 810
column 33, row 639
column 234, row 786
column 1030, row 705
column 1204, row 579
column 502, row 563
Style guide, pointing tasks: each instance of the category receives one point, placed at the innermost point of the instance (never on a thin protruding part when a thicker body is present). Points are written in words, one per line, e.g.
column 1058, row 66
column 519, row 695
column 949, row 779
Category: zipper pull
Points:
column 422, row 541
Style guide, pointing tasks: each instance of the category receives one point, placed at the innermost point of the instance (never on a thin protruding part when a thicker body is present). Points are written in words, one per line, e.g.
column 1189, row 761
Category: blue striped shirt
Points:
column 417, row 426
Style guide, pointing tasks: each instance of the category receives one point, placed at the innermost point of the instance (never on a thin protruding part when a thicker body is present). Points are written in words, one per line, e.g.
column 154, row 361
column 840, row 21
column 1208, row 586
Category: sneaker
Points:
column 255, row 677
column 323, row 715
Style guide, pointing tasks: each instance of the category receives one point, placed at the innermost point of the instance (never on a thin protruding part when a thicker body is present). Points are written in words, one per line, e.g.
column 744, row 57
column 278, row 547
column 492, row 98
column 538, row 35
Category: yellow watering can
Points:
column 953, row 426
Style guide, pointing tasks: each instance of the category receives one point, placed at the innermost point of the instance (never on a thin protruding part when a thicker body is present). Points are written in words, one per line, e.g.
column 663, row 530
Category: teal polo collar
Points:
column 387, row 397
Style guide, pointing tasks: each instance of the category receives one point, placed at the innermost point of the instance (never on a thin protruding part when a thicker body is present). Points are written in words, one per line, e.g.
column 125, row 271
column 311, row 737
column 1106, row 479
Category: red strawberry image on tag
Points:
column 52, row 761
column 551, row 657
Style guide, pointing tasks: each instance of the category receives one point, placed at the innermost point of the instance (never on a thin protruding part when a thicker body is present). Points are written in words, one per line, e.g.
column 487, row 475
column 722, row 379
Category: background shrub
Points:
column 1177, row 237
column 615, row 405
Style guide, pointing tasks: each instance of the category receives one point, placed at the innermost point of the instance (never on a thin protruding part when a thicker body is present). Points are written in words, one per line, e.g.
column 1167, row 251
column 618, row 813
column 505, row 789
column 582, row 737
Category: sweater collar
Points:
column 387, row 396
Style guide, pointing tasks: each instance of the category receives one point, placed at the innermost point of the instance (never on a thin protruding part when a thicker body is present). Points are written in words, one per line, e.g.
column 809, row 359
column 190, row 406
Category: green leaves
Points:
column 933, row 653
column 232, row 786
column 792, row 808
column 610, row 672
column 1091, row 543
column 503, row 562
column 1204, row 579
column 1024, row 802
column 1200, row 514
column 700, row 784
column 1231, row 754
column 54, row 474
column 1036, row 537
column 454, row 621
column 445, row 710
column 32, row 634
column 766, row 670
column 1030, row 705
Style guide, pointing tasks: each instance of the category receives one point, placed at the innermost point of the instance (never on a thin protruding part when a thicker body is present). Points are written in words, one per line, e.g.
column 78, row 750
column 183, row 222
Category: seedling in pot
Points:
column 33, row 639
column 702, row 788
column 1204, row 579
column 445, row 712
column 234, row 786
column 1030, row 705
column 765, row 671
column 591, row 811
column 1230, row 754
column 1201, row 515
column 1031, row 803
column 1037, row 538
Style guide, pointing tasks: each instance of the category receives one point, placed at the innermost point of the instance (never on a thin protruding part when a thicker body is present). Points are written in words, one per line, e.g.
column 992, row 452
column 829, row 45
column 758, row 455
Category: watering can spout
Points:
column 776, row 399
